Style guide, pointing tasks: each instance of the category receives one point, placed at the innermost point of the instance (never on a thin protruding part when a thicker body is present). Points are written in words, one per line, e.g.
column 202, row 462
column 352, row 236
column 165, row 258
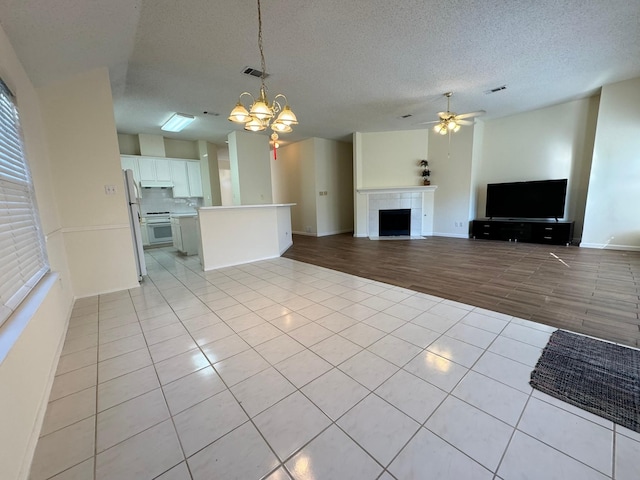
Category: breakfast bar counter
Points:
column 233, row 235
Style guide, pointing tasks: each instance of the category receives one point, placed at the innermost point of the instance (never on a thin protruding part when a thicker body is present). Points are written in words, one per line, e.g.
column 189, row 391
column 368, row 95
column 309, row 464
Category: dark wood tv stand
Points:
column 517, row 230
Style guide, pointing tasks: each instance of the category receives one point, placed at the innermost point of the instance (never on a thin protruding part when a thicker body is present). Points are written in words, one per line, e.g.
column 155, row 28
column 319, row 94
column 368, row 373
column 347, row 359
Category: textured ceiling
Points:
column 345, row 66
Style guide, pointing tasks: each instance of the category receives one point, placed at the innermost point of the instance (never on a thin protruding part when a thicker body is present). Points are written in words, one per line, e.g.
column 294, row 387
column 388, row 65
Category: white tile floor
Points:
column 284, row 370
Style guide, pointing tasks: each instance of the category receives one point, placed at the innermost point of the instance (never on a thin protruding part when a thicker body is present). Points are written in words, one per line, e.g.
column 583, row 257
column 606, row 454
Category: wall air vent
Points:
column 495, row 90
column 253, row 72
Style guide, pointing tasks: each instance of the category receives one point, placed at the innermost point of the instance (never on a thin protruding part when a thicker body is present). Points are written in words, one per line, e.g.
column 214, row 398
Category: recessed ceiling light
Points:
column 177, row 122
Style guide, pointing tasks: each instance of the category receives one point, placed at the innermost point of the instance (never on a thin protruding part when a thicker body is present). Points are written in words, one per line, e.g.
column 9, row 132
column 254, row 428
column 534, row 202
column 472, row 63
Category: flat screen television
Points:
column 535, row 199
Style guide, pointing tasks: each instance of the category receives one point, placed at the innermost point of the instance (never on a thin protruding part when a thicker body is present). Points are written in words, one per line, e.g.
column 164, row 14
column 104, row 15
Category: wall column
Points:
column 250, row 168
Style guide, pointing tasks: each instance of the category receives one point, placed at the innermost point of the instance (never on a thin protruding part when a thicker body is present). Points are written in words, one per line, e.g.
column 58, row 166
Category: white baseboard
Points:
column 324, row 234
column 450, row 235
column 226, row 265
column 334, row 232
column 361, row 235
column 610, row 246
column 286, row 247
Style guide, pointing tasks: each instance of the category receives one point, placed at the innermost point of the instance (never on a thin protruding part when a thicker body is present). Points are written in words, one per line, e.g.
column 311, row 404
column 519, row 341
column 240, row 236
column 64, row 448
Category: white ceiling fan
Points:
column 451, row 121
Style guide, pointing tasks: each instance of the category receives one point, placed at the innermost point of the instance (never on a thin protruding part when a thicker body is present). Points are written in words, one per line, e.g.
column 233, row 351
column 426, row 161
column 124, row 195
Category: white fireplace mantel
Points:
column 415, row 188
column 419, row 199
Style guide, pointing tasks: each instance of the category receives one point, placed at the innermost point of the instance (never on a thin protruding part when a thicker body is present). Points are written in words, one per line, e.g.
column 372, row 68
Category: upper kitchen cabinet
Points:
column 131, row 163
column 187, row 178
column 180, row 179
column 155, row 172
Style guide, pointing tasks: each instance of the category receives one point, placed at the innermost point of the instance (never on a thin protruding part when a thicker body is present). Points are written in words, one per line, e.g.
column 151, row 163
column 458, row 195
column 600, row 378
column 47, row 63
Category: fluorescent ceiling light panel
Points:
column 177, row 122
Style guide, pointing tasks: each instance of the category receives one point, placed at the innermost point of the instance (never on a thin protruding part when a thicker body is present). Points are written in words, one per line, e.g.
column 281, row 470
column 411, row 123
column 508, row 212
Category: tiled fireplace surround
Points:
column 399, row 198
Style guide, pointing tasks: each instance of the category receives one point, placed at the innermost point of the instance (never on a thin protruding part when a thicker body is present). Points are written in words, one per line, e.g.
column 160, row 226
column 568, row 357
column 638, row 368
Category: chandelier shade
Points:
column 260, row 114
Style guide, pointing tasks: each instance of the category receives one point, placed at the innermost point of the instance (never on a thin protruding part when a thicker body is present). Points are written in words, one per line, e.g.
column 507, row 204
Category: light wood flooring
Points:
column 594, row 292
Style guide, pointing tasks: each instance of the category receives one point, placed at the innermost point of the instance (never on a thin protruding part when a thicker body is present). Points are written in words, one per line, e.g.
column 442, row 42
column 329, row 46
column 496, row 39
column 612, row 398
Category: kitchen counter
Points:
column 184, row 215
column 233, row 235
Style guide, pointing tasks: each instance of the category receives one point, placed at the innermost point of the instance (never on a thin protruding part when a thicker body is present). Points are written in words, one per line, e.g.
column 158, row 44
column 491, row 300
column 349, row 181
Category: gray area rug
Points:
column 596, row 376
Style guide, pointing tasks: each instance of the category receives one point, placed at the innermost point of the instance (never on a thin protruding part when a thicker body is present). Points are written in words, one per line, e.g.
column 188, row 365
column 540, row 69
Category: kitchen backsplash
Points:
column 161, row 200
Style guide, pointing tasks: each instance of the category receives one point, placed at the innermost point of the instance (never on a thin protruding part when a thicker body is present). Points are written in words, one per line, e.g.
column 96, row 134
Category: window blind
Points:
column 23, row 258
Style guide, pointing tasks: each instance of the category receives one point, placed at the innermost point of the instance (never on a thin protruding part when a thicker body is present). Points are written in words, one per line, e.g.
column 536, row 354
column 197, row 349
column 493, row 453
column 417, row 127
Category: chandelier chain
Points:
column 263, row 64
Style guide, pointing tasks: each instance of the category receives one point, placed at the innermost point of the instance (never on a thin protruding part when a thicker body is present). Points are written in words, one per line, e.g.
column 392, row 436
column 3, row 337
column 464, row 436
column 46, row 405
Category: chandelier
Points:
column 261, row 115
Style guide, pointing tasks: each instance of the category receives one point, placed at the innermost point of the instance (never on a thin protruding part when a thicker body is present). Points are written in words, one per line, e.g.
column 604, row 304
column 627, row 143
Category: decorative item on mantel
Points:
column 426, row 173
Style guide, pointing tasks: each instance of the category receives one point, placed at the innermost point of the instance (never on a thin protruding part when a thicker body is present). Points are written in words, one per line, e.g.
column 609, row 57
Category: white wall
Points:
column 128, row 144
column 450, row 165
column 83, row 147
column 612, row 218
column 390, row 159
column 333, row 175
column 174, row 148
column 27, row 371
column 303, row 170
column 250, row 168
column 208, row 154
column 224, row 176
column 550, row 143
column 294, row 182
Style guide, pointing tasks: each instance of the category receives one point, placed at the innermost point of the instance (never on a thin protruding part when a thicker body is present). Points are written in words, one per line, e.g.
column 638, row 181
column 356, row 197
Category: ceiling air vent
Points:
column 406, row 116
column 495, row 90
column 253, row 72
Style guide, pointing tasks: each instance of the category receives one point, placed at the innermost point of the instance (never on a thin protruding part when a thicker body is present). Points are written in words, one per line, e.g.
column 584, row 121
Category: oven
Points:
column 159, row 228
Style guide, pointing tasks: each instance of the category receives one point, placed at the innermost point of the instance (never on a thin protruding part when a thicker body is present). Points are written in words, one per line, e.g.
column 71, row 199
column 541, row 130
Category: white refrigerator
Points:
column 133, row 206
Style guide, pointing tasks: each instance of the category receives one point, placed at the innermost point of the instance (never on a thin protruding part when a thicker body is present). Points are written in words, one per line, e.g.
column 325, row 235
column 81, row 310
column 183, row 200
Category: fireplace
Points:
column 394, row 222
column 418, row 200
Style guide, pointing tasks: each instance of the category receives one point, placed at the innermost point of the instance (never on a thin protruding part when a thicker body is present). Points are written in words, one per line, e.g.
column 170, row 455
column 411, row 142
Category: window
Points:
column 23, row 258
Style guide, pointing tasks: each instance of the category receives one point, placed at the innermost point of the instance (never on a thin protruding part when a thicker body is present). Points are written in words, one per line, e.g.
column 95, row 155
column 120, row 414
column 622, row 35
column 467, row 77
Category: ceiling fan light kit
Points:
column 277, row 115
column 451, row 122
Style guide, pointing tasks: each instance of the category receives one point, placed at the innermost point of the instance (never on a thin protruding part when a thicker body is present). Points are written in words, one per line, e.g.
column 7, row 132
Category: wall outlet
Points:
column 307, row 229
column 110, row 189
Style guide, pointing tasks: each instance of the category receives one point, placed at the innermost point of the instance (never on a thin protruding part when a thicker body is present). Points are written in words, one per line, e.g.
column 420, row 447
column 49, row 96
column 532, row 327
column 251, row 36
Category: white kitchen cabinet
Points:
column 163, row 169
column 131, row 163
column 180, row 179
column 194, row 175
column 147, row 169
column 155, row 171
column 187, row 178
column 184, row 231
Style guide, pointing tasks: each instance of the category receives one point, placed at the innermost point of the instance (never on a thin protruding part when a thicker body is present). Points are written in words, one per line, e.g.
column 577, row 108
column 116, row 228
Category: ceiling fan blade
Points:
column 469, row 115
column 444, row 115
column 429, row 123
column 465, row 122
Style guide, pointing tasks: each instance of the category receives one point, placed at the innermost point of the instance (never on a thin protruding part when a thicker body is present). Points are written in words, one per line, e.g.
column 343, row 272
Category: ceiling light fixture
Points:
column 262, row 115
column 448, row 121
column 177, row 122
